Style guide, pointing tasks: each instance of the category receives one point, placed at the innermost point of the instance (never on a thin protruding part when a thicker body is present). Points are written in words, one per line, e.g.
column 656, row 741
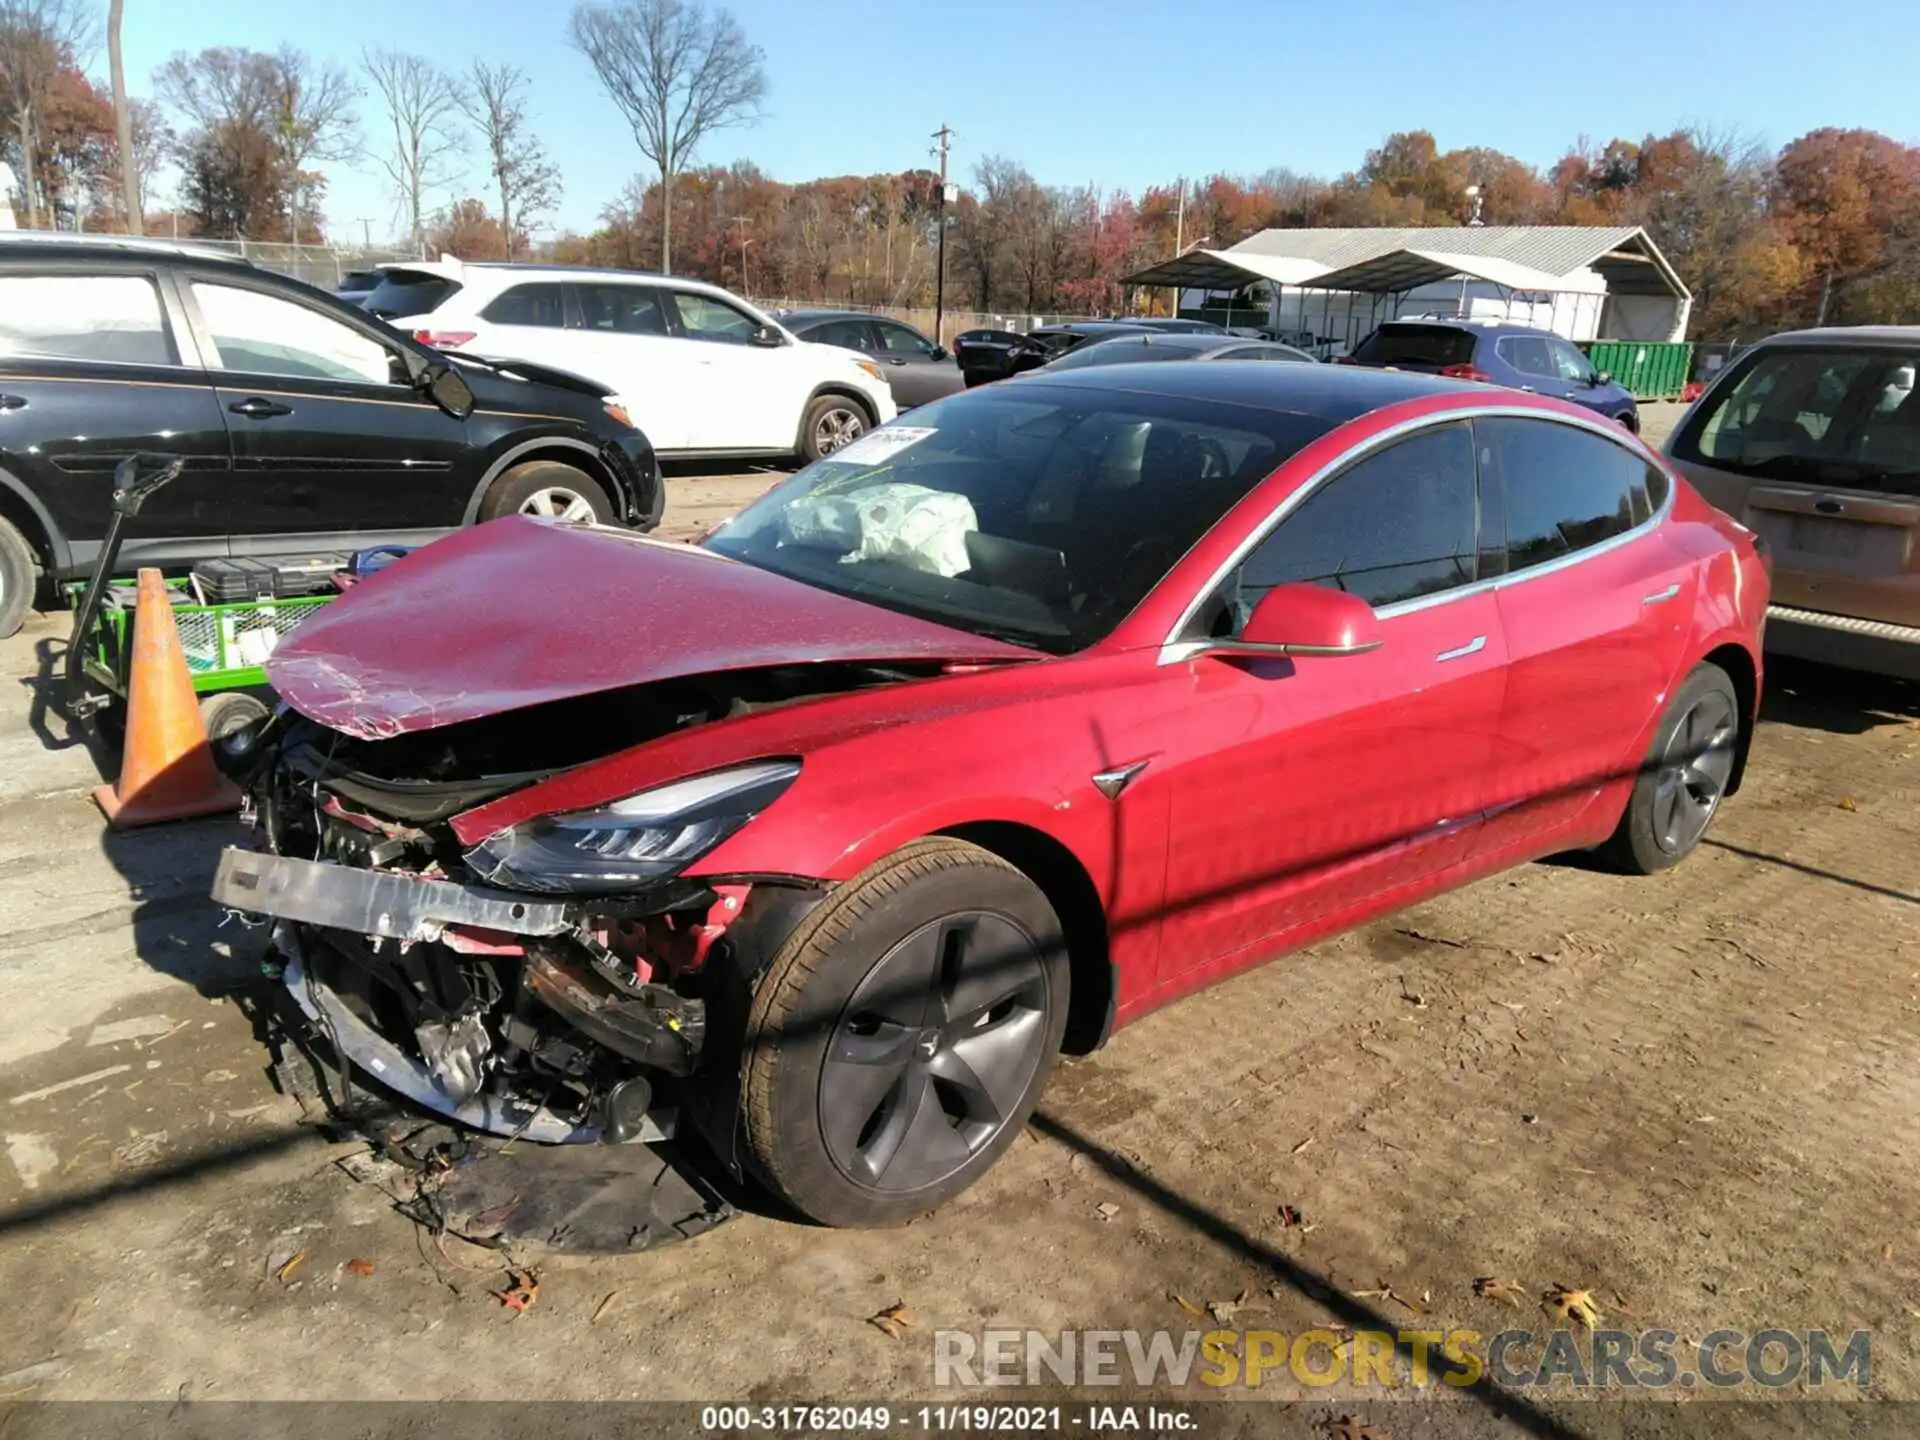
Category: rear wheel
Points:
column 551, row 490
column 899, row 1041
column 1683, row 778
column 833, row 422
column 17, row 572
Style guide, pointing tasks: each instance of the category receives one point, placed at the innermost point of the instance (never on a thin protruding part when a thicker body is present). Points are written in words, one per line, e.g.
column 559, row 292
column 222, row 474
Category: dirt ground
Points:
column 1696, row 1096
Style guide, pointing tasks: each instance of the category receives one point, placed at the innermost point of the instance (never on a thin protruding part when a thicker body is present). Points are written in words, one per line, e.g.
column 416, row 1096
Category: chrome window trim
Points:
column 1173, row 649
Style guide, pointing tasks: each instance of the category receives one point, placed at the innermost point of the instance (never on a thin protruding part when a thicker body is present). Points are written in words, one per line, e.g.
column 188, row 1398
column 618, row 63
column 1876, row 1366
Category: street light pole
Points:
column 944, row 136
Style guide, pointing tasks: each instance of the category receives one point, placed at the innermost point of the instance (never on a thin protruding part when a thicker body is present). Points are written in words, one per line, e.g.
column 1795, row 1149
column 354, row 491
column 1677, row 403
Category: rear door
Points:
column 522, row 322
column 1817, row 449
column 1594, row 606
column 624, row 338
column 94, row 367
column 331, row 443
column 1532, row 363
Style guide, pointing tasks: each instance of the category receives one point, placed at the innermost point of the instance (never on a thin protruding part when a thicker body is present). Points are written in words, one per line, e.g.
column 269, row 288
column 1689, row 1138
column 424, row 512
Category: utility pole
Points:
column 366, row 229
column 944, row 137
column 743, row 221
column 123, row 120
column 1179, row 241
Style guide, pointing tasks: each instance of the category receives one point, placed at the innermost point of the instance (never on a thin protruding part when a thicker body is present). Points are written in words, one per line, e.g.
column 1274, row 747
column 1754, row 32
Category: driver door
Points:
column 331, row 443
column 744, row 396
column 1310, row 793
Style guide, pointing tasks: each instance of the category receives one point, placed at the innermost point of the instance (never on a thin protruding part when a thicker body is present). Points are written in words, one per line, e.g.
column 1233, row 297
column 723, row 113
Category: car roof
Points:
column 30, row 245
column 1172, row 340
column 828, row 315
column 1335, row 393
column 1474, row 327
column 1871, row 336
column 501, row 274
column 1090, row 327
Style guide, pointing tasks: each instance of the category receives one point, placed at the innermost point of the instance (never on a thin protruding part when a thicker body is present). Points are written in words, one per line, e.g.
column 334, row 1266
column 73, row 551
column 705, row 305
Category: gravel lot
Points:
column 1697, row 1096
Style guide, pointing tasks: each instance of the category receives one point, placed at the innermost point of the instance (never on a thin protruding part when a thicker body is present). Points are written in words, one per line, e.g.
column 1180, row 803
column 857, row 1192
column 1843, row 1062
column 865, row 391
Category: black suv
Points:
column 306, row 424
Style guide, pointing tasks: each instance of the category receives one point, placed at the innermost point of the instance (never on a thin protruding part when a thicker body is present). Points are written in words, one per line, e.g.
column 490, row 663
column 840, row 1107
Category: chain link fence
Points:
column 323, row 265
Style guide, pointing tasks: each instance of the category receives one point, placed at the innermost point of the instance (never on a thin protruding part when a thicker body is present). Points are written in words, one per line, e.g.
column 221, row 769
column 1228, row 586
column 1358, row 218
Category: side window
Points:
column 261, row 334
column 899, row 340
column 542, row 305
column 1569, row 363
column 1399, row 524
column 702, row 317
column 1527, row 354
column 110, row 319
column 852, row 334
column 622, row 309
column 1565, row 488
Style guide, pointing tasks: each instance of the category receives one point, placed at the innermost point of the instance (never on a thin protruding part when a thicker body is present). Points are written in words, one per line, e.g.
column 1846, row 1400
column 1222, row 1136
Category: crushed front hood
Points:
column 521, row 612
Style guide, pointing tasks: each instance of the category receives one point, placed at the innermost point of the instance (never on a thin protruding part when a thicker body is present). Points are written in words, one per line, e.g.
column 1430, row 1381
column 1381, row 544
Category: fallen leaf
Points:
column 293, row 1263
column 1223, row 1311
column 1575, row 1305
column 604, row 1307
column 1491, row 1288
column 1187, row 1305
column 520, row 1296
column 1847, row 802
column 1303, row 1145
column 1289, row 1217
column 892, row 1321
column 1106, row 1210
column 1348, row 1428
column 362, row 1268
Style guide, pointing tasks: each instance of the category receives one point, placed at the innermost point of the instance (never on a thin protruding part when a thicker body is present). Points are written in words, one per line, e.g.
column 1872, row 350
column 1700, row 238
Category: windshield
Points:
column 1437, row 346
column 1034, row 513
column 1818, row 416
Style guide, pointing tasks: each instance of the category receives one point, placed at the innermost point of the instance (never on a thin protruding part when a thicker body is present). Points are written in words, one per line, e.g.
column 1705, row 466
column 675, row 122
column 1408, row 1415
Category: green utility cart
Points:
column 1649, row 370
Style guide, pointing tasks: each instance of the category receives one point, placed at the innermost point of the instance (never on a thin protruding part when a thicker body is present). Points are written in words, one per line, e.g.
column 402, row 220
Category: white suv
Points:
column 700, row 371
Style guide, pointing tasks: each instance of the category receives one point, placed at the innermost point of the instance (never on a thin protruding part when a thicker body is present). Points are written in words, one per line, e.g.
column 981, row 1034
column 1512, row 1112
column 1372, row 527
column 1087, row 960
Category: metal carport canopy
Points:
column 1401, row 270
column 1226, row 270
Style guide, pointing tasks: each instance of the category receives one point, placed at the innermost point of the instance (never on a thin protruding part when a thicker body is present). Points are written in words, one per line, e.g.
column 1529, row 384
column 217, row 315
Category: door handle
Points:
column 255, row 408
column 1460, row 652
column 13, row 402
column 1659, row 596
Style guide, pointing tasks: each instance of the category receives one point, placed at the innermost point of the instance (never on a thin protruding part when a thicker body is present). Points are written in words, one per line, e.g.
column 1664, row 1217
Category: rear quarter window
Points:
column 400, row 296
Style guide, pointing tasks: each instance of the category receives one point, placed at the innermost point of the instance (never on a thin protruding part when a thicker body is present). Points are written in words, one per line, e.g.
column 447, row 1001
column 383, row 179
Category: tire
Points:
column 1683, row 778
column 548, row 488
column 228, row 715
column 1629, row 421
column 19, row 570
column 832, row 422
column 870, row 1097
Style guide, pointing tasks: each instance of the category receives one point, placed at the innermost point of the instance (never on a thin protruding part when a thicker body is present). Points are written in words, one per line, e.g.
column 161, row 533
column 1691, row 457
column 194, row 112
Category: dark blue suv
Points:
column 1517, row 356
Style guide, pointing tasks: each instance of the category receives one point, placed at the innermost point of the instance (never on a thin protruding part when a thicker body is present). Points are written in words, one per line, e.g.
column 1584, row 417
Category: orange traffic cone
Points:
column 167, row 770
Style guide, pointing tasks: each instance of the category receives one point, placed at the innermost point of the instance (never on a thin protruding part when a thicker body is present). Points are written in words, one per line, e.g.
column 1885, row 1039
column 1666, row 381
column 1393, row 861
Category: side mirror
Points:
column 940, row 353
column 1305, row 620
column 449, row 390
column 768, row 337
column 1603, row 377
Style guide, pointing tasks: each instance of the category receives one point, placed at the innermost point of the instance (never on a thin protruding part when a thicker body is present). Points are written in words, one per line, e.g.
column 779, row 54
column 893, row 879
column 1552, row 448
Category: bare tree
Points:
column 677, row 71
column 313, row 121
column 423, row 109
column 123, row 118
column 494, row 100
column 36, row 38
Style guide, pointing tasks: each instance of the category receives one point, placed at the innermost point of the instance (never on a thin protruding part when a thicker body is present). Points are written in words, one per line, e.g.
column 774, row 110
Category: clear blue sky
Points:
column 1131, row 92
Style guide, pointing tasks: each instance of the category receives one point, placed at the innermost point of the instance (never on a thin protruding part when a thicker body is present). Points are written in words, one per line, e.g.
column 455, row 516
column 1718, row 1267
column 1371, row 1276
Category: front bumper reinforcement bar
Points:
column 372, row 902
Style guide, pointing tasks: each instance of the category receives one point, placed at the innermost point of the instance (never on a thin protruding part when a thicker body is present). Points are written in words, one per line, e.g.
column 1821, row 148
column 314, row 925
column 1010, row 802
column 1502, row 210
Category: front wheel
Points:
column 832, row 423
column 1683, row 778
column 551, row 490
column 901, row 1037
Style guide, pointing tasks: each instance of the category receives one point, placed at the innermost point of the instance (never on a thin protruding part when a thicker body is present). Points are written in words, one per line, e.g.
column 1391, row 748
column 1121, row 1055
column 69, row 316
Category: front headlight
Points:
column 617, row 412
column 633, row 842
column 871, row 368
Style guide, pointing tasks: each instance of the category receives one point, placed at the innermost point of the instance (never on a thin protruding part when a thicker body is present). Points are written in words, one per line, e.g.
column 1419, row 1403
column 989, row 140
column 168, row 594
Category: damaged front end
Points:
column 561, row 981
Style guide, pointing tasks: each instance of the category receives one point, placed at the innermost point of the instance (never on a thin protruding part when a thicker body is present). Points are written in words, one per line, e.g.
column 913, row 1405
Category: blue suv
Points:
column 1517, row 356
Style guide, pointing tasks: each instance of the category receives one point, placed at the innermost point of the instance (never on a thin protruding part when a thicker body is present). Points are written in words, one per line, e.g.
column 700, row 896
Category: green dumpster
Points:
column 1650, row 370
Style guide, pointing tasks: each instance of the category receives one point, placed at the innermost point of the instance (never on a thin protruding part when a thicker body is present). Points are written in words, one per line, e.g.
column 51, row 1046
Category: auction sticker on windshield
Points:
column 877, row 447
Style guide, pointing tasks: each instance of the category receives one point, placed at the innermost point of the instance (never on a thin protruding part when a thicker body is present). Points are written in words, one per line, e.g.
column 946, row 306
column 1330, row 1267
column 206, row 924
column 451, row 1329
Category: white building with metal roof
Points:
column 1586, row 282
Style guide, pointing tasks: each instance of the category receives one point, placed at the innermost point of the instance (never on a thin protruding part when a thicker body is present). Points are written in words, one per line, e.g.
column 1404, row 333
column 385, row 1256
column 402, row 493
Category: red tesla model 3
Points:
column 971, row 743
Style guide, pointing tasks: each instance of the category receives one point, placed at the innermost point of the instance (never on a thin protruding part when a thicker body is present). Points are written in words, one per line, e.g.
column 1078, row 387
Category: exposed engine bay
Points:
column 523, row 1011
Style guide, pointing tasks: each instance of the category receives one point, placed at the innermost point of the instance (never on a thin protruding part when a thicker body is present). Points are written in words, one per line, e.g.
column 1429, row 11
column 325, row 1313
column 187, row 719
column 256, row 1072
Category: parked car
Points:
column 1136, row 349
column 1172, row 325
column 1812, row 439
column 700, row 370
column 305, row 423
column 916, row 368
column 1519, row 357
column 988, row 355
column 975, row 741
column 356, row 285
